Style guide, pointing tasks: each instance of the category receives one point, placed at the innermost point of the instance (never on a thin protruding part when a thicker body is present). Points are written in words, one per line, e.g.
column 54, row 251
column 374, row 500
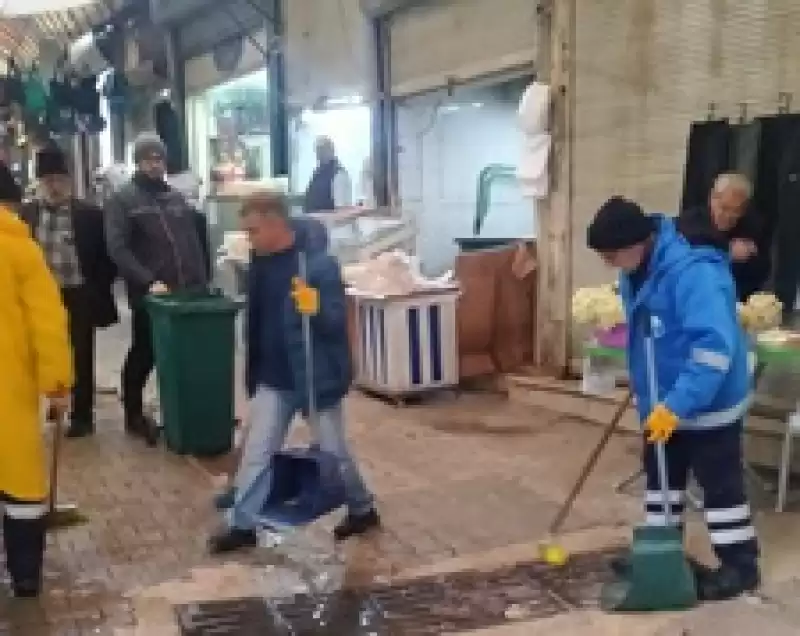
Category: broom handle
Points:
column 588, row 467
column 660, row 450
column 308, row 349
column 57, row 431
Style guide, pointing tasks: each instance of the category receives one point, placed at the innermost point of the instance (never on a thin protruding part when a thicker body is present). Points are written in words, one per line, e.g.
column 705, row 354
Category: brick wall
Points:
column 645, row 70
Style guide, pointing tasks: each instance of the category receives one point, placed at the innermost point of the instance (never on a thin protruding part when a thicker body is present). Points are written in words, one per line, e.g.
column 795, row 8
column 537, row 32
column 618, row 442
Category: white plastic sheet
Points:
column 533, row 169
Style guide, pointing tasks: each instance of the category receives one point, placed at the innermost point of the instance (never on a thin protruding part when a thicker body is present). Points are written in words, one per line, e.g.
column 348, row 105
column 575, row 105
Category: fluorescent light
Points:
column 350, row 100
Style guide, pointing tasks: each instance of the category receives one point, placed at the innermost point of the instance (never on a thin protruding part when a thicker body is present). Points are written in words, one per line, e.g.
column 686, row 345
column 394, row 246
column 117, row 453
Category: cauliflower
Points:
column 761, row 312
column 598, row 307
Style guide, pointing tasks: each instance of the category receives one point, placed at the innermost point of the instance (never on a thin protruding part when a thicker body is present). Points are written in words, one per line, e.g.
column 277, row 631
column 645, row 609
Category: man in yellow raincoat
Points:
column 36, row 362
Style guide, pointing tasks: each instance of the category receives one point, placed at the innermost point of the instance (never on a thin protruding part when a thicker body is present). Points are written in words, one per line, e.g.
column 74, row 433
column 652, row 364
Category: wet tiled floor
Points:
column 466, row 485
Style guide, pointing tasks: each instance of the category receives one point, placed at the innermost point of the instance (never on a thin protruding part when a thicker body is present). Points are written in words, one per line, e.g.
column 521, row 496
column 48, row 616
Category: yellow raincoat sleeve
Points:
column 46, row 320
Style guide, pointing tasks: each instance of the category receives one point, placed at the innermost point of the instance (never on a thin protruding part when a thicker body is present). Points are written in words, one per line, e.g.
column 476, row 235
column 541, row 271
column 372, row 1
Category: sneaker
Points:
column 356, row 525
column 80, row 428
column 727, row 582
column 232, row 540
column 224, row 500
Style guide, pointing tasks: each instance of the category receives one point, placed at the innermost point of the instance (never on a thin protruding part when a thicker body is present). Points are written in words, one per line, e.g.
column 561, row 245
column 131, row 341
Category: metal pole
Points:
column 276, row 78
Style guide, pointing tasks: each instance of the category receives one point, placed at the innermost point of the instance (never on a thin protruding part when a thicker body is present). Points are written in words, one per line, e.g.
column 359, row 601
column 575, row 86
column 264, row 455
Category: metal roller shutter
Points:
column 458, row 41
column 646, row 70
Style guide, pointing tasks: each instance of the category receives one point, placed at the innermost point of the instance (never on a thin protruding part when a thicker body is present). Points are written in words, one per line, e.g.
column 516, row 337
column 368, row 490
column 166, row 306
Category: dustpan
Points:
column 305, row 485
column 659, row 577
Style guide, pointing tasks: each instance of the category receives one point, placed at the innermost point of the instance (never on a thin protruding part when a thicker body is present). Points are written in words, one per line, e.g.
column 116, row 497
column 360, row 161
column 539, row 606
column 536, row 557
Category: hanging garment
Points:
column 707, row 155
column 787, row 228
column 168, row 127
column 776, row 132
column 35, row 96
column 88, row 97
column 744, row 146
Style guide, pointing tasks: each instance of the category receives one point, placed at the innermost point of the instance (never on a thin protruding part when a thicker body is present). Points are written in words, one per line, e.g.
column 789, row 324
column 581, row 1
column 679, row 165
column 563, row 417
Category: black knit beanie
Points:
column 10, row 190
column 619, row 223
column 51, row 161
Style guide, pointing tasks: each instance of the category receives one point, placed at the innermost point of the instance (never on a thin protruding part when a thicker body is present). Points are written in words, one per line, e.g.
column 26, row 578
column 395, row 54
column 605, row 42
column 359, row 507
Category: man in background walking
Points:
column 72, row 237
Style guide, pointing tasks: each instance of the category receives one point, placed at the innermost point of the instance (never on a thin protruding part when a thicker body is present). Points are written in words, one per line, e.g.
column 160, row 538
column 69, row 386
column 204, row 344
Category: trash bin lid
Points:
column 194, row 303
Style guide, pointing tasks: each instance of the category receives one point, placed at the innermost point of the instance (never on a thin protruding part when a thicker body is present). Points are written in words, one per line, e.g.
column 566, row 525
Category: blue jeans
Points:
column 271, row 415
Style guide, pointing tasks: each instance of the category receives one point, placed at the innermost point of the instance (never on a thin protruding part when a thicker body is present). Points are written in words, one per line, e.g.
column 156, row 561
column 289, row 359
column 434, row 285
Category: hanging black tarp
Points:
column 707, row 156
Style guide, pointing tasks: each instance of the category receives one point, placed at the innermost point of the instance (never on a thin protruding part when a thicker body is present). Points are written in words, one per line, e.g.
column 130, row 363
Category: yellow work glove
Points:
column 306, row 299
column 661, row 424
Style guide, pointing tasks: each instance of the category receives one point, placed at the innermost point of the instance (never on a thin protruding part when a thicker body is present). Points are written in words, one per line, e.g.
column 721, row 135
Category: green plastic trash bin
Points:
column 195, row 345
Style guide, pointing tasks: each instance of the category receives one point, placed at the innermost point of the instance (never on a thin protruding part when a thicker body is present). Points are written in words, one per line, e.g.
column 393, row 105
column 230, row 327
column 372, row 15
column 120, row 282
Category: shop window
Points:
column 230, row 132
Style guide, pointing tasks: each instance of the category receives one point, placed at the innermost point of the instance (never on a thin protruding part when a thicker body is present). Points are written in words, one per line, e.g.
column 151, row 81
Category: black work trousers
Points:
column 24, row 526
column 139, row 362
column 714, row 456
column 82, row 335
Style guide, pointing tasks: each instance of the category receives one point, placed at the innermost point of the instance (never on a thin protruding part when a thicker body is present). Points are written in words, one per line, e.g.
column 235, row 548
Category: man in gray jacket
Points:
column 159, row 243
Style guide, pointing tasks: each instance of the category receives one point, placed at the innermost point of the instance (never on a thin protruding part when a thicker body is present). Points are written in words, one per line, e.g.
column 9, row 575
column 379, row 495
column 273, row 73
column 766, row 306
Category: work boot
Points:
column 355, row 525
column 80, row 428
column 726, row 582
column 24, row 543
column 224, row 500
column 232, row 540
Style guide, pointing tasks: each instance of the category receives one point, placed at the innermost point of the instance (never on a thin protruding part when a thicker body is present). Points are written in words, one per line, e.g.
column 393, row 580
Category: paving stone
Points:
column 456, row 481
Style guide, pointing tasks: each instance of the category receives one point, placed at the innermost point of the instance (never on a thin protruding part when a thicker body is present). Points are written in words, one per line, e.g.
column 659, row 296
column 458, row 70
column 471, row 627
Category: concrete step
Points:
column 765, row 425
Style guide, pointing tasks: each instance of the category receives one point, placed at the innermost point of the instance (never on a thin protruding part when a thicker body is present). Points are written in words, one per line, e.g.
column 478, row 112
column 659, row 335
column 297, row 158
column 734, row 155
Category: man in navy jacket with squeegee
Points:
column 280, row 295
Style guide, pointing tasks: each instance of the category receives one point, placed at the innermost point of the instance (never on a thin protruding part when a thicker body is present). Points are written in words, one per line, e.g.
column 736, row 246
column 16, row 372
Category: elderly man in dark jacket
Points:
column 71, row 235
column 159, row 243
column 276, row 368
column 730, row 224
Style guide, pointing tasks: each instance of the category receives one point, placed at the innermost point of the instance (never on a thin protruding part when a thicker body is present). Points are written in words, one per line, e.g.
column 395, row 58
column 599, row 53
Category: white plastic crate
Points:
column 407, row 345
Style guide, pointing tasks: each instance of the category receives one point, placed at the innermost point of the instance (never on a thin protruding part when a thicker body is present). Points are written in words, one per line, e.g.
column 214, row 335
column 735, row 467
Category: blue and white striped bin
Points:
column 407, row 345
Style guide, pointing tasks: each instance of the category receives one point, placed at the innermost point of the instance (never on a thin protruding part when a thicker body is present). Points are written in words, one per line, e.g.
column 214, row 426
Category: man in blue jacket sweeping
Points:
column 276, row 366
column 687, row 359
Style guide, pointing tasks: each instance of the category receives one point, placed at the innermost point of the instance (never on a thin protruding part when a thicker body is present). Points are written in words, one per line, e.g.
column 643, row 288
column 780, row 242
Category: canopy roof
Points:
column 21, row 35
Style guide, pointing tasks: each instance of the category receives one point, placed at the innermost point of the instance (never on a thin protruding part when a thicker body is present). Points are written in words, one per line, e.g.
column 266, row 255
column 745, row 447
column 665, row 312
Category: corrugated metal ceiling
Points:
column 20, row 36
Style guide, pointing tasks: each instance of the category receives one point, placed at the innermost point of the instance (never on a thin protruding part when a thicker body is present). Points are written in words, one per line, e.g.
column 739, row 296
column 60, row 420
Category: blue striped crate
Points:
column 407, row 345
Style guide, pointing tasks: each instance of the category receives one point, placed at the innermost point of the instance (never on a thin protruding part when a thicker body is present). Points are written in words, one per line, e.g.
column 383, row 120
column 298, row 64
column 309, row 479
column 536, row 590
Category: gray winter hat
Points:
column 148, row 145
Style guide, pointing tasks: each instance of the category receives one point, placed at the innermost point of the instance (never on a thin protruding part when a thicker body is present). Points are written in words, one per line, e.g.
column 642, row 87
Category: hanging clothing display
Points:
column 745, row 143
column 36, row 99
column 15, row 83
column 707, row 157
column 116, row 90
column 776, row 131
column 787, row 227
column 61, row 115
column 168, row 127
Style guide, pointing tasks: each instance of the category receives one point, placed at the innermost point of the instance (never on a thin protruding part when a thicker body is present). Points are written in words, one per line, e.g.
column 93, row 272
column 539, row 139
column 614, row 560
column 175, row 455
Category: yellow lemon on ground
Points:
column 555, row 555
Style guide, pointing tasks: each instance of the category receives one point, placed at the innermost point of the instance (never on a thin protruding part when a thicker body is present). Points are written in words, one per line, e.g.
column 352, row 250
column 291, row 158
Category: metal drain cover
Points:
column 239, row 617
column 454, row 602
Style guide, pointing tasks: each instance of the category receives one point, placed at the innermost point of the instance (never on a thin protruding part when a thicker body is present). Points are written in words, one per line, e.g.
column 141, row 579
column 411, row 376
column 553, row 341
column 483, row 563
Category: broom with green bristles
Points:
column 65, row 515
